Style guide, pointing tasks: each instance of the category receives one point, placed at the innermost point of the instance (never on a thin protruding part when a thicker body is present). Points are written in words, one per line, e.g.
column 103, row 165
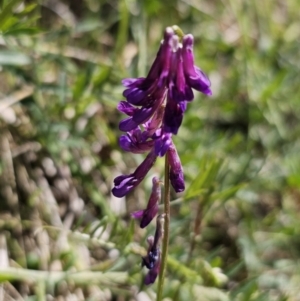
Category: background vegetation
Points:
column 235, row 231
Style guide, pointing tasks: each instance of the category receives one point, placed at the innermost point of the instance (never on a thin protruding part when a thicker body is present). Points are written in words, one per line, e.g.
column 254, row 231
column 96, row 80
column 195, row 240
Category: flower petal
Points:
column 125, row 183
column 126, row 108
column 176, row 170
column 127, row 125
column 162, row 144
column 173, row 116
column 195, row 77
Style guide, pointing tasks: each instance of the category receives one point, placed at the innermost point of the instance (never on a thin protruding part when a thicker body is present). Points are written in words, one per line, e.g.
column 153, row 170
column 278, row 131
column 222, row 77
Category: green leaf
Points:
column 22, row 31
column 226, row 194
column 28, row 8
column 208, row 170
column 7, row 12
column 14, row 58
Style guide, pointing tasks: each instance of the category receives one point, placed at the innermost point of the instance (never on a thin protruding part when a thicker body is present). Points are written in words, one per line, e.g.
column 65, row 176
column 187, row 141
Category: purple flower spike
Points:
column 125, row 183
column 176, row 171
column 150, row 212
column 195, row 77
column 155, row 106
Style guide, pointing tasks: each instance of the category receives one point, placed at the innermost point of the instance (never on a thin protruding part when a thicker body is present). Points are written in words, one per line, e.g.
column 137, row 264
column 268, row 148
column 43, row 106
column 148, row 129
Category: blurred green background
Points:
column 235, row 231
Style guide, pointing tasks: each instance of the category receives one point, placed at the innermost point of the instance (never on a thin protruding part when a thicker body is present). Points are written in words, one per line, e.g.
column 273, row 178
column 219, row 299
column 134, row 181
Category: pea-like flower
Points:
column 148, row 214
column 176, row 170
column 125, row 183
column 153, row 258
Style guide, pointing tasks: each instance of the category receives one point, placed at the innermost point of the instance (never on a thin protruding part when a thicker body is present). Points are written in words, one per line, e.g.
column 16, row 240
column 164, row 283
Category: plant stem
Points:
column 165, row 243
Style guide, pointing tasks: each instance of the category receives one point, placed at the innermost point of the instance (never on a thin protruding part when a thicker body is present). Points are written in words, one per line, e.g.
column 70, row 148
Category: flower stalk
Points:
column 165, row 243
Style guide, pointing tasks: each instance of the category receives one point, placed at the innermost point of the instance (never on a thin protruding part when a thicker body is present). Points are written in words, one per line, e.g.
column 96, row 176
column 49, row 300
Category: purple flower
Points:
column 173, row 116
column 152, row 260
column 126, row 108
column 152, row 274
column 152, row 254
column 141, row 115
column 145, row 91
column 136, row 141
column 176, row 171
column 162, row 143
column 150, row 212
column 125, row 183
column 195, row 77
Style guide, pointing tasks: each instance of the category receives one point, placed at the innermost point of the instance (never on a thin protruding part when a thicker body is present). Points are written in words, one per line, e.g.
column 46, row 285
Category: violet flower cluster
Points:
column 155, row 106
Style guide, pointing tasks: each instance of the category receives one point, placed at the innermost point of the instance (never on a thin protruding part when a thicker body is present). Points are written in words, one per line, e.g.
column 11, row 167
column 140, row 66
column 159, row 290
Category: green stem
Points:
column 165, row 243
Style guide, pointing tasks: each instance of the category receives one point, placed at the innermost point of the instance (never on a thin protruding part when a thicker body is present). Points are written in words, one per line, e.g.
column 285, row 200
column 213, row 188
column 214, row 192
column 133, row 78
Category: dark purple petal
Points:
column 181, row 95
column 162, row 144
column 157, row 134
column 141, row 90
column 127, row 125
column 176, row 170
column 160, row 67
column 129, row 82
column 137, row 90
column 143, row 114
column 145, row 166
column 135, row 96
column 178, row 88
column 195, row 77
column 148, row 216
column 131, row 143
column 152, row 256
column 145, row 94
column 125, row 183
column 152, row 260
column 153, row 273
column 200, row 82
column 165, row 59
column 152, row 207
column 183, row 105
column 173, row 116
column 126, row 108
